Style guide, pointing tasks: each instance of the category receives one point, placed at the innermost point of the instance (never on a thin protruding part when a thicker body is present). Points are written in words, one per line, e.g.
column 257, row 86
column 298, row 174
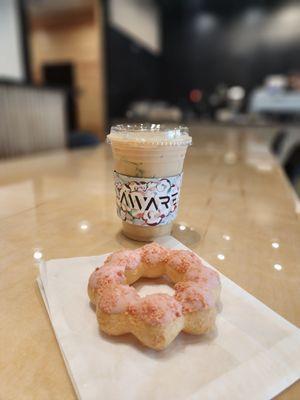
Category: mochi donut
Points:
column 155, row 319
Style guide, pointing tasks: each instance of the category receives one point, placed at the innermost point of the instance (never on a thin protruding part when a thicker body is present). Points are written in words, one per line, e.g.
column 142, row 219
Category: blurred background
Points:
column 69, row 69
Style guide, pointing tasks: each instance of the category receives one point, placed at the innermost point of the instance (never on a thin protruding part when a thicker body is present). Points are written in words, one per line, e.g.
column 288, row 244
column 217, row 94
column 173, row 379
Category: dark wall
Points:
column 204, row 43
column 237, row 43
column 133, row 73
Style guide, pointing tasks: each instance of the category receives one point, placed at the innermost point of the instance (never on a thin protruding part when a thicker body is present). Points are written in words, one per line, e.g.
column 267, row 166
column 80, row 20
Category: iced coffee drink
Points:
column 148, row 163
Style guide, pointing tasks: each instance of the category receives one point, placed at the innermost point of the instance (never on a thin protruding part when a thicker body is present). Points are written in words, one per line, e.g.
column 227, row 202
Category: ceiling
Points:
column 44, row 7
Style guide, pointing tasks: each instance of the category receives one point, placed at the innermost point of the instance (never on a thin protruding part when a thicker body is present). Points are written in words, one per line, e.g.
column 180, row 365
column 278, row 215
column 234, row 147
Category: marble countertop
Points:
column 237, row 210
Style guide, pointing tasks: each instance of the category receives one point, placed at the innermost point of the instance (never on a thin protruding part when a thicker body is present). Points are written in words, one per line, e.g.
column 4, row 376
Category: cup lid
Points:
column 150, row 134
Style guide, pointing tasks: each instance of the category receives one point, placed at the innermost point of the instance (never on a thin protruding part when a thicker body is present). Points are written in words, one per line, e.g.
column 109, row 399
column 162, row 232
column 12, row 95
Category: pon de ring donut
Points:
column 155, row 319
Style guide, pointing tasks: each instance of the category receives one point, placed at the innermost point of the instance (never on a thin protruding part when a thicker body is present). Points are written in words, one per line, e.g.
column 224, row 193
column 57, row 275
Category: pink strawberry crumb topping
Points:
column 117, row 298
column 153, row 253
column 130, row 259
column 193, row 296
column 107, row 275
column 156, row 309
column 204, row 275
column 183, row 260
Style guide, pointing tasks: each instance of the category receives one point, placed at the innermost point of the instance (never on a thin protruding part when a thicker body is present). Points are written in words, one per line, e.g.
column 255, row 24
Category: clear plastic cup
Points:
column 148, row 164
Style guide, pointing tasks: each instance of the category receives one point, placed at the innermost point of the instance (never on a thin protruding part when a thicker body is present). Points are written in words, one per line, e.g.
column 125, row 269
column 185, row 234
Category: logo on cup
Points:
column 147, row 201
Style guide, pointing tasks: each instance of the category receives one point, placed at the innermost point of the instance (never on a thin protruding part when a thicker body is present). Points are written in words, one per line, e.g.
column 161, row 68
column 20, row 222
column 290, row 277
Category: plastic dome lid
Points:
column 150, row 134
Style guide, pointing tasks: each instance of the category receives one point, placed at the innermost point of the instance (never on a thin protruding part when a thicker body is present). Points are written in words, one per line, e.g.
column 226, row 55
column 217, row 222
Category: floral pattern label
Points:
column 147, row 201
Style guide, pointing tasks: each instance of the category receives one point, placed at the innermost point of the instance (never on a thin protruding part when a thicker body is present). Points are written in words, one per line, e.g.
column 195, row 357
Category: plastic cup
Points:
column 148, row 164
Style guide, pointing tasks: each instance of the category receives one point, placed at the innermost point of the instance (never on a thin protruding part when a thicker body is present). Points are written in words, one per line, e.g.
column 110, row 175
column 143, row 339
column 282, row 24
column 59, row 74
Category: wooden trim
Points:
column 76, row 38
column 62, row 19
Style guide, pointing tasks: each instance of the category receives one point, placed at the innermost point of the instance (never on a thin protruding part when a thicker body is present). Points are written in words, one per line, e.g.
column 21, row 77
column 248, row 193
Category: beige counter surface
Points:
column 237, row 210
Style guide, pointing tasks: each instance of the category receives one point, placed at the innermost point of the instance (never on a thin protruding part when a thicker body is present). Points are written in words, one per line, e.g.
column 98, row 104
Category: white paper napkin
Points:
column 254, row 353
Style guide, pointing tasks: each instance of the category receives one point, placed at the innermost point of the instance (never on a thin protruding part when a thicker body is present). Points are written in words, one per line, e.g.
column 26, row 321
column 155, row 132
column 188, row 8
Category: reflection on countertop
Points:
column 237, row 210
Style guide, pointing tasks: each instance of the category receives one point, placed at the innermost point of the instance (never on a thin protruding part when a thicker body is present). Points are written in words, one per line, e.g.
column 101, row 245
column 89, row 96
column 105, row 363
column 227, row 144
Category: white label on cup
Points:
column 147, row 201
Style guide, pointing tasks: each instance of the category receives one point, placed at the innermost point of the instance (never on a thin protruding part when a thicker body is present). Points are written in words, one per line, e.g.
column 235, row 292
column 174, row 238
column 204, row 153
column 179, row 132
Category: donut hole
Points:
column 145, row 286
